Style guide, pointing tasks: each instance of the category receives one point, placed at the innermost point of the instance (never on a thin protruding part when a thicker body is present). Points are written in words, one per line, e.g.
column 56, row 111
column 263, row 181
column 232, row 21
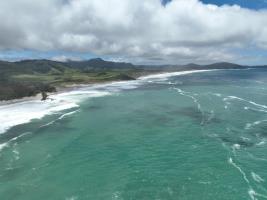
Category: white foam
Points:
column 22, row 135
column 236, row 146
column 253, row 109
column 230, row 161
column 253, row 194
column 241, row 99
column 217, row 94
column 16, row 153
column 61, row 117
column 250, row 125
column 24, row 112
column 170, row 74
column 205, row 182
column 67, row 114
column 117, row 86
column 261, row 143
column 2, row 146
column 188, row 94
column 21, row 113
column 257, row 177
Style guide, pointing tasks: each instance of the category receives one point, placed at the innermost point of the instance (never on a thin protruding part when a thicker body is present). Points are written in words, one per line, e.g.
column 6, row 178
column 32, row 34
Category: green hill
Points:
column 30, row 77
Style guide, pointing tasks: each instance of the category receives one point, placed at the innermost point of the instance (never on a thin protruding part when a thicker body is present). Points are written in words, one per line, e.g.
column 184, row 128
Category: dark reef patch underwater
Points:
column 192, row 136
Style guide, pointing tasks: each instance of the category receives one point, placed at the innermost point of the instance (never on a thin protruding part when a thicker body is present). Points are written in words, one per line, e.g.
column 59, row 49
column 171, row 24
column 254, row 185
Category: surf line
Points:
column 241, row 99
column 251, row 125
column 251, row 192
column 61, row 117
column 187, row 94
column 6, row 144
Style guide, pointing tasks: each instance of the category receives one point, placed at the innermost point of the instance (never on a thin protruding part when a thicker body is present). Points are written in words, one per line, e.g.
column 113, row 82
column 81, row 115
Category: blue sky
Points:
column 252, row 4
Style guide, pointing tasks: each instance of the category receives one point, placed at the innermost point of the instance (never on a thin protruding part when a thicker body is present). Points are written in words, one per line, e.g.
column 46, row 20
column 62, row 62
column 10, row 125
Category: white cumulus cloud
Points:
column 136, row 30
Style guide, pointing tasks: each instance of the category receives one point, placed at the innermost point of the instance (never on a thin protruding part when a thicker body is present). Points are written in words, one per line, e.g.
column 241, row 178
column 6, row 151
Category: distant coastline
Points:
column 29, row 78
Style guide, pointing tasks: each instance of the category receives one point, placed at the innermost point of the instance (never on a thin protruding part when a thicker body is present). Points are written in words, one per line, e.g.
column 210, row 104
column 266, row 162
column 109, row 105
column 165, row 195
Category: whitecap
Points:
column 188, row 94
column 2, row 146
column 253, row 109
column 261, row 143
column 205, row 182
column 23, row 134
column 61, row 117
column 253, row 194
column 236, row 146
column 68, row 114
column 16, row 153
column 250, row 125
column 230, row 161
column 248, row 101
column 257, row 177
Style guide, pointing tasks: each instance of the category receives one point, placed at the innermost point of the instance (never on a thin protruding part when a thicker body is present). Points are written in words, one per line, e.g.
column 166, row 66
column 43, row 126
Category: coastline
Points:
column 77, row 86
column 22, row 111
column 67, row 88
column 24, row 99
column 59, row 90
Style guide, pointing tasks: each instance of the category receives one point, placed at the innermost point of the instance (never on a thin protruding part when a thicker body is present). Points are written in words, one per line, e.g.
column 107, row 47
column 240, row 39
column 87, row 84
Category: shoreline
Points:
column 66, row 88
column 21, row 111
column 77, row 86
column 21, row 100
column 59, row 90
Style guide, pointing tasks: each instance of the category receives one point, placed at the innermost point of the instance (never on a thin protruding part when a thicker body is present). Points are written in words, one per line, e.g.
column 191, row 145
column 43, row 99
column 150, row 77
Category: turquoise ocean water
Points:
column 192, row 136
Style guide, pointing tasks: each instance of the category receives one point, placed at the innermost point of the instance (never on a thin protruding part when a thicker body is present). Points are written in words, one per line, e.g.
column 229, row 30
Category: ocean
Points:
column 186, row 135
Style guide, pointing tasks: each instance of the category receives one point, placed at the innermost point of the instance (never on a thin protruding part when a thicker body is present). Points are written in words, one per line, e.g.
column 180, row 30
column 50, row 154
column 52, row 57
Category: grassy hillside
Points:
column 30, row 77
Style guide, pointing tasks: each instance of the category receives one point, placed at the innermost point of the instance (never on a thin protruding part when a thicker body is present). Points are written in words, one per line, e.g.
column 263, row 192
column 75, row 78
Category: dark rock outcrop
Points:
column 44, row 96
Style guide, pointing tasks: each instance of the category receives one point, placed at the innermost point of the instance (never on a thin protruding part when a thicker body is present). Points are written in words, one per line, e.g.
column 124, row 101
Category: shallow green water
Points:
column 197, row 136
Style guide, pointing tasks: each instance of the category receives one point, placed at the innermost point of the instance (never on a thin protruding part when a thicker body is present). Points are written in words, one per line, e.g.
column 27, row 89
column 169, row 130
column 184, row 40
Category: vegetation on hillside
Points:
column 30, row 77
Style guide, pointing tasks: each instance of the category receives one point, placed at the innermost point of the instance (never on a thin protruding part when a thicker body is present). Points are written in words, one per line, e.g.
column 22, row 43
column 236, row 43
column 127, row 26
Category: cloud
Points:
column 64, row 58
column 136, row 30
